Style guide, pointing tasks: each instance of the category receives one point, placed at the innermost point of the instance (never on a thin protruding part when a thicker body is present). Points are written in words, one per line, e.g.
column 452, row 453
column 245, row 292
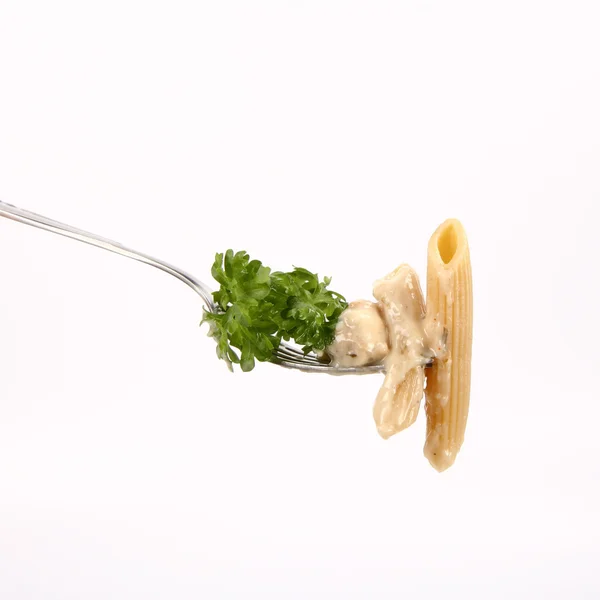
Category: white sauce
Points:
column 395, row 331
column 401, row 299
column 361, row 336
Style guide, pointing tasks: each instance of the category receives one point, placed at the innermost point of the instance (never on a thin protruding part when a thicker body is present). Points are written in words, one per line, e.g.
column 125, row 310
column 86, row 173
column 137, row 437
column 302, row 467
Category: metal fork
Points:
column 287, row 355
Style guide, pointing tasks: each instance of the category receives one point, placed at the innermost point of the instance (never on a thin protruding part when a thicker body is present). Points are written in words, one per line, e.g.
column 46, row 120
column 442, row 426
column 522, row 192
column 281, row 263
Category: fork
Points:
column 287, row 355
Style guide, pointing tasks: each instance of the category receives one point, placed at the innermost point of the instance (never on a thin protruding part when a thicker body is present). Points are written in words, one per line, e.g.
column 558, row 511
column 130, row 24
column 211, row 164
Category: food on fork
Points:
column 256, row 312
column 450, row 298
column 260, row 308
column 361, row 336
column 401, row 299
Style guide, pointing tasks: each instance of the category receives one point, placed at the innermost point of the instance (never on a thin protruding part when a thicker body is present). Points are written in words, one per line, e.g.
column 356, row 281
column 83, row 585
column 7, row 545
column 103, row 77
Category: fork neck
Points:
column 40, row 222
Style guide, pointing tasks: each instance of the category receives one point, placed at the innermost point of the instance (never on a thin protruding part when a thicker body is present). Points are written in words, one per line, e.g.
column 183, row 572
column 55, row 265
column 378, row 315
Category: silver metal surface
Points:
column 288, row 355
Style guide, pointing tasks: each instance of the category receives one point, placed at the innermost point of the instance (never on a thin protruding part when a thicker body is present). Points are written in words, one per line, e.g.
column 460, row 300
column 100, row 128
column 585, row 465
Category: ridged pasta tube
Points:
column 450, row 301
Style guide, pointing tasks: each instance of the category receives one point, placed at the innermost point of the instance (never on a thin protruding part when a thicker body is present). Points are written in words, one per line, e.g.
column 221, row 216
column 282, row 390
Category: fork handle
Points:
column 30, row 218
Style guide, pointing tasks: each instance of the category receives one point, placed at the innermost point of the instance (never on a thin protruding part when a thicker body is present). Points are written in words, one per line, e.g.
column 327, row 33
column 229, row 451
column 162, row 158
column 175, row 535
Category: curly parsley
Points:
column 259, row 308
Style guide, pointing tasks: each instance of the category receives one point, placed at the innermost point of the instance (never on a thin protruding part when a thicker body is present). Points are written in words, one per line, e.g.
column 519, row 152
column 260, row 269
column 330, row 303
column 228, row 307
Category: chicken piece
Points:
column 361, row 336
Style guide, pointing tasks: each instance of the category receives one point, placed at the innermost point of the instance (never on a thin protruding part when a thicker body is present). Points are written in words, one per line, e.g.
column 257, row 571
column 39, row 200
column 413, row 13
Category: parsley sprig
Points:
column 259, row 308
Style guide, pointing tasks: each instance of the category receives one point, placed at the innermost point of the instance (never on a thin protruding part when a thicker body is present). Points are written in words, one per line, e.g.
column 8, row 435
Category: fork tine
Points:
column 326, row 368
column 292, row 348
column 284, row 353
column 298, row 361
column 294, row 351
column 291, row 358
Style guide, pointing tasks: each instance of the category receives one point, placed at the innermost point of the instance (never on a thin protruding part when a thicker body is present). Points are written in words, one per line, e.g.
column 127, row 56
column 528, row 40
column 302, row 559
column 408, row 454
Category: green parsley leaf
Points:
column 259, row 308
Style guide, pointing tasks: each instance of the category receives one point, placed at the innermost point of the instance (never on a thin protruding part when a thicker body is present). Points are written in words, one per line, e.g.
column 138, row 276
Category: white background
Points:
column 336, row 136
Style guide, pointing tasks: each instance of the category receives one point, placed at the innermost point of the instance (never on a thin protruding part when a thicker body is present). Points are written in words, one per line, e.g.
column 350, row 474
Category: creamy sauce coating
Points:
column 361, row 336
column 400, row 296
column 397, row 332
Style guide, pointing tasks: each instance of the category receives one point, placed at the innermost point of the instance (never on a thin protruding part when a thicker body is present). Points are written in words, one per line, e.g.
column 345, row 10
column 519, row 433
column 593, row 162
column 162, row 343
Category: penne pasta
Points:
column 401, row 300
column 450, row 303
column 398, row 410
